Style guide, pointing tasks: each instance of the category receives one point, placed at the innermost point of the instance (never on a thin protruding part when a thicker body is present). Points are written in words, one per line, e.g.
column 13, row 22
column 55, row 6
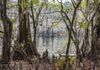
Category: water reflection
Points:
column 54, row 45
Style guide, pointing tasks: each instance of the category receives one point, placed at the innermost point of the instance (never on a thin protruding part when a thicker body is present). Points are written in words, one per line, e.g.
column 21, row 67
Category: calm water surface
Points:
column 54, row 46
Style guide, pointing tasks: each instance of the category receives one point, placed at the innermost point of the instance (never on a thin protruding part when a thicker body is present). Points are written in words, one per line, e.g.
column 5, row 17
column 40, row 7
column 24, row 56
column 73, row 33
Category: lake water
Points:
column 56, row 46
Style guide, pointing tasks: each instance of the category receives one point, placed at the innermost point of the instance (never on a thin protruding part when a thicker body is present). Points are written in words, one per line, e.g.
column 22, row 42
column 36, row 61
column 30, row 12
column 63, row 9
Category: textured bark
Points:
column 7, row 24
column 98, row 23
column 24, row 26
column 24, row 36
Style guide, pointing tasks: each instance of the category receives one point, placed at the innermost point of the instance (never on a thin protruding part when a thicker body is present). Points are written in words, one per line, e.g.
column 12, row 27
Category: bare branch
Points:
column 40, row 9
column 73, row 3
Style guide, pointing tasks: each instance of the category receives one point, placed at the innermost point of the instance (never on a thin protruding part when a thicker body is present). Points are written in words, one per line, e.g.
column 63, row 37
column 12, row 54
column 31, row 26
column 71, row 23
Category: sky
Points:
column 53, row 0
column 60, row 0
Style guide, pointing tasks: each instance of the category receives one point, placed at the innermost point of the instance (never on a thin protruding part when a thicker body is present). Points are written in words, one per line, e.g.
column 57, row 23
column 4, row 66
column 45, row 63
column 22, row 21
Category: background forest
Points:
column 49, row 34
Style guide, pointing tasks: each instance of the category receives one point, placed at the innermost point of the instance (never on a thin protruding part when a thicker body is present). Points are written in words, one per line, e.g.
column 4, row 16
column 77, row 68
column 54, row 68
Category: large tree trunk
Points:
column 98, row 23
column 21, row 36
column 24, row 25
column 24, row 36
column 7, row 24
column 95, row 30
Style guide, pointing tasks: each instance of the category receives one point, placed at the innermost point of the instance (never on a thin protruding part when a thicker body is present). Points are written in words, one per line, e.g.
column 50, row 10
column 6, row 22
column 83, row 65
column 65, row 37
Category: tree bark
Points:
column 7, row 24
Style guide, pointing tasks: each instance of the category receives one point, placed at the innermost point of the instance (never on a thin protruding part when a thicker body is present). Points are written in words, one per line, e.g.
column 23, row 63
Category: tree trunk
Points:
column 98, row 23
column 7, row 24
column 24, row 36
column 35, row 52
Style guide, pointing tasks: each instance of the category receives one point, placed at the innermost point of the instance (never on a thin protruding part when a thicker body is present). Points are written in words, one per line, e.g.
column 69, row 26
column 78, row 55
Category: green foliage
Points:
column 81, row 14
column 1, row 34
column 71, row 59
column 67, row 7
column 11, row 5
column 84, row 4
column 35, row 1
column 54, row 6
column 57, row 6
column 61, row 61
column 25, row 5
column 13, row 20
column 14, row 27
column 57, row 25
column 84, row 25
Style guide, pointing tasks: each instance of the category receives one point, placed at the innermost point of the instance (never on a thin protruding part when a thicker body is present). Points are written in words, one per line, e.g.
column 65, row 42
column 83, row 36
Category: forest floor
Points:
column 22, row 65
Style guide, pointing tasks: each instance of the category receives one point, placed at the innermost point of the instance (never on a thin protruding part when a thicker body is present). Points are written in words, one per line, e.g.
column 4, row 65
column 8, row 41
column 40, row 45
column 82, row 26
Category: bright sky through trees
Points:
column 53, row 0
column 59, row 0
